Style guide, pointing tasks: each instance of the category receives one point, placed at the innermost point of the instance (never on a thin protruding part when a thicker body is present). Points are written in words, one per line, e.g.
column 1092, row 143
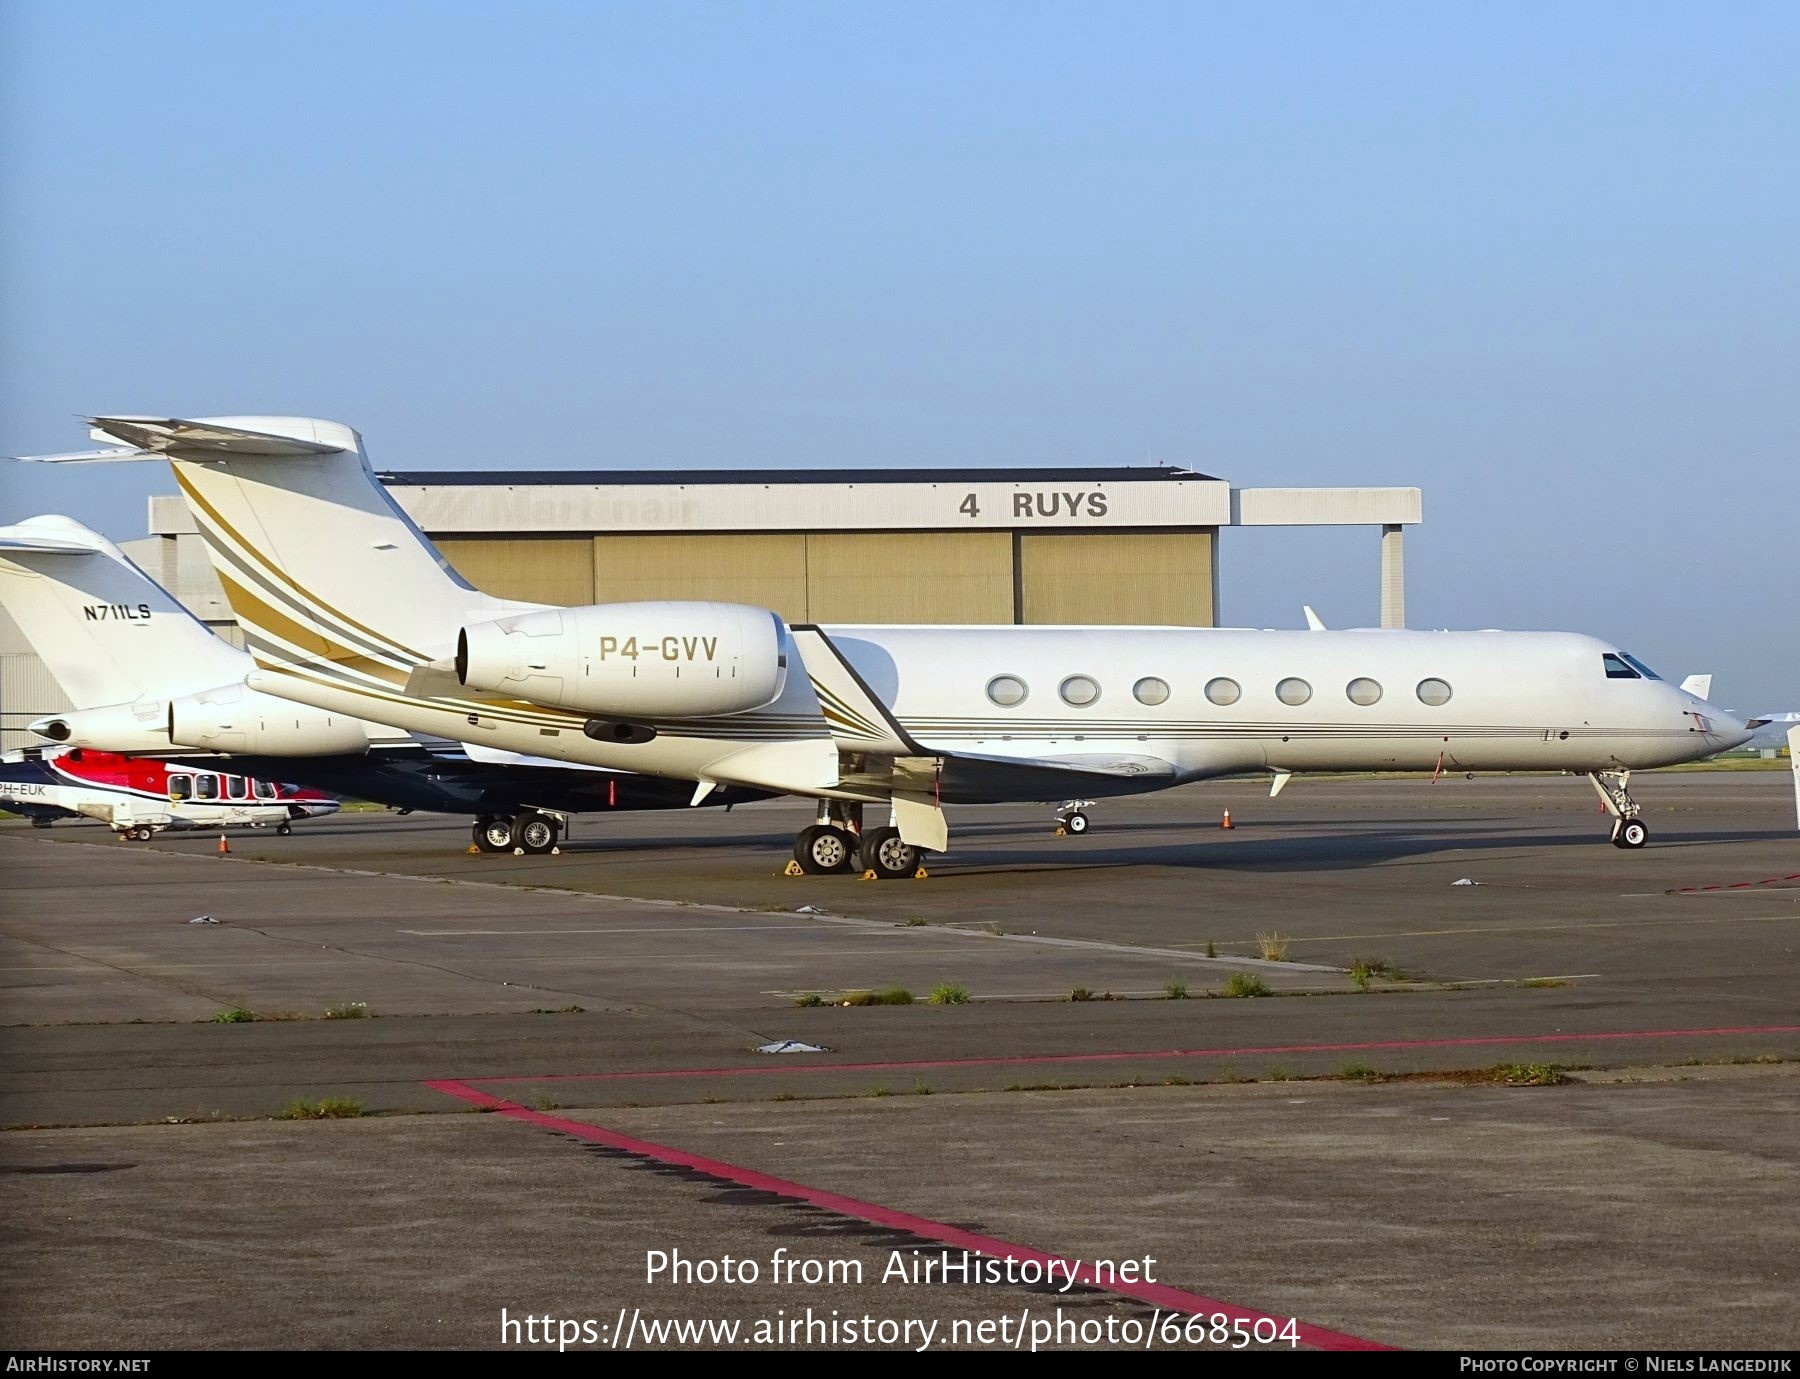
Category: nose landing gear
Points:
column 1628, row 830
column 1071, row 818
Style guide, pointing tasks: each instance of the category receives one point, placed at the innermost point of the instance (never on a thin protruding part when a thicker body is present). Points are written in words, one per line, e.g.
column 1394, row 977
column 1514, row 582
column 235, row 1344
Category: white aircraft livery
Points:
column 347, row 607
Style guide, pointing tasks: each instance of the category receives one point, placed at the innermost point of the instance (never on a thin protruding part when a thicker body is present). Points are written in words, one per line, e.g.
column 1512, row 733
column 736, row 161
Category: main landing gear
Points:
column 838, row 843
column 832, row 844
column 529, row 833
column 1628, row 830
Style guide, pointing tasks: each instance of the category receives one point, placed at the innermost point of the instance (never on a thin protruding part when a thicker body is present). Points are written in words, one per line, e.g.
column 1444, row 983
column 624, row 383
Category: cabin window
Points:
column 181, row 787
column 1079, row 691
column 1616, row 669
column 206, row 786
column 1434, row 692
column 1293, row 692
column 1151, row 691
column 1364, row 691
column 1639, row 666
column 262, row 789
column 234, row 788
column 1007, row 690
column 1223, row 691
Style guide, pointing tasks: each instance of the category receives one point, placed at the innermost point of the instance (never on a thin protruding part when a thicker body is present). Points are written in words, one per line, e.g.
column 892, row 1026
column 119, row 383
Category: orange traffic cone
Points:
column 1226, row 821
column 224, row 847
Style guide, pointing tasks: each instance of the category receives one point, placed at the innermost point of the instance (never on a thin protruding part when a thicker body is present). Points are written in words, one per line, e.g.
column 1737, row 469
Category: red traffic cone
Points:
column 224, row 847
column 1226, row 821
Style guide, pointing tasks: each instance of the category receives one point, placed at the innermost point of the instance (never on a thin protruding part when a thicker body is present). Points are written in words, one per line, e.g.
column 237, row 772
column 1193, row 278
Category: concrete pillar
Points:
column 1212, row 536
column 1393, row 576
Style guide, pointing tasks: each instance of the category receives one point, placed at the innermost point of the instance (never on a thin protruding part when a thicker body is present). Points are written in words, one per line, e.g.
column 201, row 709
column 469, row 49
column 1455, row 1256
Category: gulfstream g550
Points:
column 347, row 607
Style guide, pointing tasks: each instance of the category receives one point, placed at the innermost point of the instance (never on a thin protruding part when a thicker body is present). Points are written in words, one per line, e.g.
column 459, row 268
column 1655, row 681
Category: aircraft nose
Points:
column 1729, row 730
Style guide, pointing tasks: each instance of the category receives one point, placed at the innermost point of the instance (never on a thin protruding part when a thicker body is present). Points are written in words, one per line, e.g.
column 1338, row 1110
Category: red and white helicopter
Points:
column 138, row 798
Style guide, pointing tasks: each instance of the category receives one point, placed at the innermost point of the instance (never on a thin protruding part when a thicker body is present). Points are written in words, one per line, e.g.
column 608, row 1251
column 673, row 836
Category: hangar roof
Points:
column 491, row 478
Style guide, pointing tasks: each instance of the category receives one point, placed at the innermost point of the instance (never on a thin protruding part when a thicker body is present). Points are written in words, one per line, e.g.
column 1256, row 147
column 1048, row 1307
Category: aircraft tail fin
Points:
column 106, row 631
column 326, row 574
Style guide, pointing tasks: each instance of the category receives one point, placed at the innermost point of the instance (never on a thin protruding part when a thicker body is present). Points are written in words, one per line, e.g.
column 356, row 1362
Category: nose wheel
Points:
column 1072, row 820
column 1628, row 830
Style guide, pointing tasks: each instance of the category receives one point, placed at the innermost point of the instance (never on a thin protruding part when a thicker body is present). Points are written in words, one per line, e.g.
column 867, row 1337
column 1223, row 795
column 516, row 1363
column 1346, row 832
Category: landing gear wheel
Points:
column 1632, row 834
column 138, row 834
column 887, row 856
column 493, row 834
column 822, row 849
column 534, row 834
column 284, row 829
column 1075, row 823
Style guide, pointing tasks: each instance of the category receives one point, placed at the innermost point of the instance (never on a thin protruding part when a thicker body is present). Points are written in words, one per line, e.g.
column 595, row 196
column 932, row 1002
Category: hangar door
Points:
column 532, row 569
column 909, row 577
column 819, row 576
column 768, row 571
column 1118, row 578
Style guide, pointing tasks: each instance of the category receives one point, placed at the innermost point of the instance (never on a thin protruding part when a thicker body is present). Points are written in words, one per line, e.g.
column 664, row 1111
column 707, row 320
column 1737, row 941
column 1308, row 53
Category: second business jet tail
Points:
column 143, row 673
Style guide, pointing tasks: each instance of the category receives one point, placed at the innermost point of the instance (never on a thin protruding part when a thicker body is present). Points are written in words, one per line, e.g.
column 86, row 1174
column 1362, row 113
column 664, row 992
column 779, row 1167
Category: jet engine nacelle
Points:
column 630, row 660
column 139, row 727
column 234, row 718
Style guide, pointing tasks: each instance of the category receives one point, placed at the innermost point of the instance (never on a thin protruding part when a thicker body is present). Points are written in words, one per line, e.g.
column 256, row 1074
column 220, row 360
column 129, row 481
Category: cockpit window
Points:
column 1618, row 669
column 1639, row 666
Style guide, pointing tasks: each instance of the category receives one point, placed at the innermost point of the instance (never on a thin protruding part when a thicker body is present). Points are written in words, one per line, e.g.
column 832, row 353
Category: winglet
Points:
column 1314, row 623
column 1700, row 686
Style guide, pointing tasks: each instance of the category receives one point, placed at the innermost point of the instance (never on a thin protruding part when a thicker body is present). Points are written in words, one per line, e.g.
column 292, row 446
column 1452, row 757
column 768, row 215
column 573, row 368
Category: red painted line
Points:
column 1156, row 1294
column 1023, row 1060
column 1733, row 886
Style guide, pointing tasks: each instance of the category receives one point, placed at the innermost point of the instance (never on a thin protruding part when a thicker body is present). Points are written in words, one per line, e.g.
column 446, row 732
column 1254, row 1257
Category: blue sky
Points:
column 1540, row 261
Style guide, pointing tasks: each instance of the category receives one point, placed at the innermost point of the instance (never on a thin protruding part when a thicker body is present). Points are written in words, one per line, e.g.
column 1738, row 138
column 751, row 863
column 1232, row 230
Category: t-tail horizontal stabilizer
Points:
column 149, row 438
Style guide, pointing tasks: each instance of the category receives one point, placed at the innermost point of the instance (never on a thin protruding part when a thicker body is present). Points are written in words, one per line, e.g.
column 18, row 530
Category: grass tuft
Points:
column 917, row 922
column 559, row 1010
column 1081, row 993
column 1176, row 990
column 1246, row 984
column 1530, row 1075
column 326, row 1108
column 237, row 1015
column 809, row 999
column 894, row 996
column 1358, row 1071
column 1272, row 947
column 950, row 994
column 347, row 1010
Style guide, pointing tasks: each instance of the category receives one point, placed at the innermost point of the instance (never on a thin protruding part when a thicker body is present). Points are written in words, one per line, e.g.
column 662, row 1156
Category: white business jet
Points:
column 347, row 607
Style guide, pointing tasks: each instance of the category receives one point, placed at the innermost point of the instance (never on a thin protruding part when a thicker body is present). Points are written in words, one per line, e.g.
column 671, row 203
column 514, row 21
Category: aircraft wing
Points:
column 496, row 756
column 973, row 777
